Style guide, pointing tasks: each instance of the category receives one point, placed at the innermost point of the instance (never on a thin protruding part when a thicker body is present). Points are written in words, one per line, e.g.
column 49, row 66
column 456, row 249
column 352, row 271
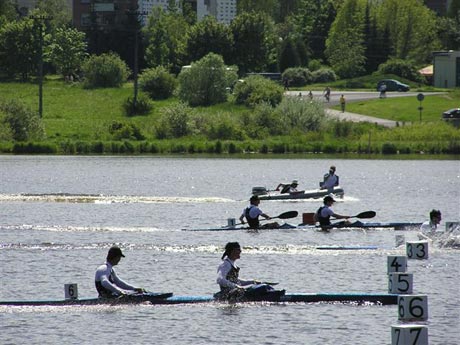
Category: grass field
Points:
column 406, row 109
column 80, row 118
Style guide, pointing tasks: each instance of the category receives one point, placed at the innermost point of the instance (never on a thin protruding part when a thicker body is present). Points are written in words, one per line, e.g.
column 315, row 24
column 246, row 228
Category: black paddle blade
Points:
column 287, row 215
column 366, row 215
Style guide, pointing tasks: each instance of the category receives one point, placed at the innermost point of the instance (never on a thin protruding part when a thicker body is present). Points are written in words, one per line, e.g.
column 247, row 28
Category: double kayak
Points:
column 265, row 194
column 360, row 298
column 339, row 226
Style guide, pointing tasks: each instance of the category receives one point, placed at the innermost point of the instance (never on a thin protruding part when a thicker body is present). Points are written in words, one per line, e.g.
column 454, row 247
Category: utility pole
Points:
column 136, row 50
column 40, row 18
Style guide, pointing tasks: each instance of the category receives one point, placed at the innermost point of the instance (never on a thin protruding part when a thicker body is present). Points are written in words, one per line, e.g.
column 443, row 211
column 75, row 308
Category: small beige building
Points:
column 446, row 69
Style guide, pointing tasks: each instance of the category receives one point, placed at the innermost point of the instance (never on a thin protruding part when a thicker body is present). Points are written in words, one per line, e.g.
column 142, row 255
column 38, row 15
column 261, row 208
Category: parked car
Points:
column 392, row 85
column 451, row 114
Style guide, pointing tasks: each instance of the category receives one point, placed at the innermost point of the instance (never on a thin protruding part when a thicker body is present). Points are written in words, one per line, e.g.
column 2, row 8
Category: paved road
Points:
column 353, row 96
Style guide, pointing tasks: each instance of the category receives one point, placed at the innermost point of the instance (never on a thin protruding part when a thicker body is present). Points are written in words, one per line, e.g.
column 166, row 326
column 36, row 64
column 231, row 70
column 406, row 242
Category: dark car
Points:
column 451, row 114
column 392, row 85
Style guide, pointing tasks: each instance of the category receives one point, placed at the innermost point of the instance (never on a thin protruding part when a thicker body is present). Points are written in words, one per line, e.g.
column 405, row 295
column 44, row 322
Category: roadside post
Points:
column 420, row 98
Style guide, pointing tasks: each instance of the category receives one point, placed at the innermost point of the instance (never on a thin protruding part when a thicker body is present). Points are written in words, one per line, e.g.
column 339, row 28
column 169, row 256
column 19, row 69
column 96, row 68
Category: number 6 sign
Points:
column 71, row 291
column 413, row 307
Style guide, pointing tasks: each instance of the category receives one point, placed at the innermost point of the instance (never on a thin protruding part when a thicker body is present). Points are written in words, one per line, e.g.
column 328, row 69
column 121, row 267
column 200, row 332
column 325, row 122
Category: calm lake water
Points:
column 59, row 216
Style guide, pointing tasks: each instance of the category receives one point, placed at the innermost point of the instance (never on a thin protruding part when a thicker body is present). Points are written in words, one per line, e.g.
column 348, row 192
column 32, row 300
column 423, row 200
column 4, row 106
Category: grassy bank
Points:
column 76, row 121
column 406, row 109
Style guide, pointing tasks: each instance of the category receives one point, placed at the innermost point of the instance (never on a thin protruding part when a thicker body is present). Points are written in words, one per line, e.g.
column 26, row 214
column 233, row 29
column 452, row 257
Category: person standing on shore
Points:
column 327, row 93
column 342, row 103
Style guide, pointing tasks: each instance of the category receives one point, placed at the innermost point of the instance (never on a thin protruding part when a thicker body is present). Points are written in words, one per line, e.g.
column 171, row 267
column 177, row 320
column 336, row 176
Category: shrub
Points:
column 402, row 68
column 314, row 65
column 206, row 81
column 298, row 76
column 174, row 122
column 120, row 130
column 35, row 148
column 324, row 75
column 265, row 116
column 389, row 149
column 256, row 89
column 157, row 82
column 225, row 128
column 106, row 70
column 298, row 114
column 21, row 122
column 143, row 106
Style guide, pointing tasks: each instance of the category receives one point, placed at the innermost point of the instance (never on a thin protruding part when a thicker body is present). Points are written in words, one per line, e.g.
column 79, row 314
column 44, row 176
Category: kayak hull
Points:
column 357, row 226
column 384, row 299
column 307, row 194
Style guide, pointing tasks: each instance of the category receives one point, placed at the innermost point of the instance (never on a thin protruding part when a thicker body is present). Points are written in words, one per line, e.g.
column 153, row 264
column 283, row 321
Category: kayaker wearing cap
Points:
column 330, row 180
column 252, row 213
column 228, row 273
column 288, row 187
column 324, row 213
column 107, row 282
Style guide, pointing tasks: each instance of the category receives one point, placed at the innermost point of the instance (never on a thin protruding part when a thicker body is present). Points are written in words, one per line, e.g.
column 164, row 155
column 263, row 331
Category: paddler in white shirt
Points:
column 432, row 224
column 231, row 286
column 108, row 284
column 235, row 289
column 324, row 213
column 252, row 213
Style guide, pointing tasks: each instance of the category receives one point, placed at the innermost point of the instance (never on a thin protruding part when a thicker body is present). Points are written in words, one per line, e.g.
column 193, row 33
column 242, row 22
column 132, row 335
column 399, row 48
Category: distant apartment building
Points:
column 103, row 13
column 106, row 12
column 25, row 6
column 223, row 10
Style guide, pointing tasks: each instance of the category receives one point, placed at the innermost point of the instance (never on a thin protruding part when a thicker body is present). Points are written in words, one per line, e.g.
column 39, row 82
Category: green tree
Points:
column 255, row 43
column 268, row 7
column 377, row 47
column 289, row 56
column 205, row 82
column 287, row 8
column 18, row 48
column 449, row 32
column 454, row 9
column 58, row 11
column 345, row 44
column 67, row 50
column 412, row 29
column 165, row 37
column 7, row 11
column 209, row 36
